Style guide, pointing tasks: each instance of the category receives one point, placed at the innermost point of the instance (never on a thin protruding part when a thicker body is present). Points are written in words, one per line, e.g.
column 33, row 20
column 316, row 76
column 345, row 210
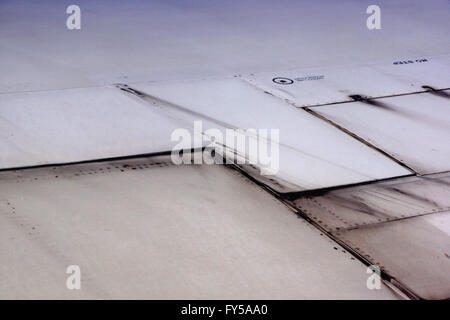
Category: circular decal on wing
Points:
column 280, row 80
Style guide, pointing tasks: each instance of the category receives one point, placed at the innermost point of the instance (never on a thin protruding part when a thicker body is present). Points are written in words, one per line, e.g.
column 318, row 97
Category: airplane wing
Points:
column 88, row 133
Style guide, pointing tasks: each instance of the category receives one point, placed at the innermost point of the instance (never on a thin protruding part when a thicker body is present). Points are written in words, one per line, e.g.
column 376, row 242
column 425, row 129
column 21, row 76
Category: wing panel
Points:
column 145, row 228
column 312, row 153
column 402, row 226
column 318, row 86
column 415, row 129
column 76, row 125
